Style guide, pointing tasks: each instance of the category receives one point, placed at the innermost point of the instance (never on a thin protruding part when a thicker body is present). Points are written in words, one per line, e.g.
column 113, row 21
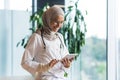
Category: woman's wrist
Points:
column 43, row 67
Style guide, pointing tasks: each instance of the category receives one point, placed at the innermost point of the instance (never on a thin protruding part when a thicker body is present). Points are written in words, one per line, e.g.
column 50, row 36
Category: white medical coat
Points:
column 35, row 54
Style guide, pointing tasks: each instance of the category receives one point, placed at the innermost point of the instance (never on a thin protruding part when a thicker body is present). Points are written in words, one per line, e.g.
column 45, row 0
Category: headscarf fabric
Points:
column 49, row 16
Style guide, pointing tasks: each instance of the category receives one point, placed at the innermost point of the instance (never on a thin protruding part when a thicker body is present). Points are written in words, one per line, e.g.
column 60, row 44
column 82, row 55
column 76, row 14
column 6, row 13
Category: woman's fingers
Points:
column 53, row 62
column 71, row 59
column 66, row 62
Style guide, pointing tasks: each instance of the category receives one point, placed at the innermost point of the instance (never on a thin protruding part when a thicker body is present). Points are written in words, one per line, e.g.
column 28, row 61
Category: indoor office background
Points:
column 99, row 59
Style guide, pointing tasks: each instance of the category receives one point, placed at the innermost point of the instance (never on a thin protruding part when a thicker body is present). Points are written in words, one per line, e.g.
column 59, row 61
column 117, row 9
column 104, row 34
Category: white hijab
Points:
column 48, row 16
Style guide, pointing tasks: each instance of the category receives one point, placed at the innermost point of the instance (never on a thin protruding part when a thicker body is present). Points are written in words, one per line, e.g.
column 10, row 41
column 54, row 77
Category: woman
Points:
column 45, row 51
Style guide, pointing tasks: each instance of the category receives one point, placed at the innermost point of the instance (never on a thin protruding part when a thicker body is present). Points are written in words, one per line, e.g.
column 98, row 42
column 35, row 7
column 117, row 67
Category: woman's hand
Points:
column 66, row 62
column 53, row 62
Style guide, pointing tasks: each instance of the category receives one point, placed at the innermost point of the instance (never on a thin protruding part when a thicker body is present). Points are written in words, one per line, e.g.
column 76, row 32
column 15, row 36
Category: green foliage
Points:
column 74, row 29
column 23, row 42
column 96, row 48
column 95, row 57
column 65, row 74
column 35, row 18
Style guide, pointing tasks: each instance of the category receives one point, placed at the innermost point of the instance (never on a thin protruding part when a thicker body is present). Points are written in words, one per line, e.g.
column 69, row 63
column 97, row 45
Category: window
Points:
column 92, row 62
column 14, row 19
column 93, row 57
column 25, row 5
column 1, row 4
column 113, row 40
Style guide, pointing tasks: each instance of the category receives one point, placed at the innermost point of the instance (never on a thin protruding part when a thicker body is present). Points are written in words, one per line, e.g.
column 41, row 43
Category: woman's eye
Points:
column 55, row 23
column 62, row 22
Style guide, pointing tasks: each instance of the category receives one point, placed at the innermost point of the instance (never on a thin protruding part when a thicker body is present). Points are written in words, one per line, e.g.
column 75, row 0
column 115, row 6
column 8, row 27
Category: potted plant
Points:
column 73, row 30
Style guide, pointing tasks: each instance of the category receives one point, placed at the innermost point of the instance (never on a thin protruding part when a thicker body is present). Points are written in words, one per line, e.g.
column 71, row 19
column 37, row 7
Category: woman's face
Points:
column 57, row 23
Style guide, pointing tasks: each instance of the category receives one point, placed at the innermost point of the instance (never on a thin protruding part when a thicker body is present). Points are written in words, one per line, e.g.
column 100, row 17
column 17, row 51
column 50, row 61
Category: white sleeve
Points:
column 28, row 62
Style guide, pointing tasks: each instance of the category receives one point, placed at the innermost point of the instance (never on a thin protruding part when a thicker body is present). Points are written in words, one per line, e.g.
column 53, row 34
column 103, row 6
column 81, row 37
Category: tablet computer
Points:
column 69, row 56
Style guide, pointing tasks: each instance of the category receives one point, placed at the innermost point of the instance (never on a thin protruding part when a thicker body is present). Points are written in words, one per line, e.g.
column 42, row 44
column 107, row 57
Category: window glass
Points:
column 92, row 62
column 1, row 4
column 21, row 5
column 25, row 5
column 93, row 57
column 14, row 25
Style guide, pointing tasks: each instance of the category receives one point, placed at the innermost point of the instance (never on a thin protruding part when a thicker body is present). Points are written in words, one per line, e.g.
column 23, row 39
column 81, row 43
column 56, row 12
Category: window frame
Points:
column 112, row 42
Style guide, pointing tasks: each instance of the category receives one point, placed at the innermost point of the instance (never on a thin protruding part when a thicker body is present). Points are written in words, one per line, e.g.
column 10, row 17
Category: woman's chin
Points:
column 55, row 30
